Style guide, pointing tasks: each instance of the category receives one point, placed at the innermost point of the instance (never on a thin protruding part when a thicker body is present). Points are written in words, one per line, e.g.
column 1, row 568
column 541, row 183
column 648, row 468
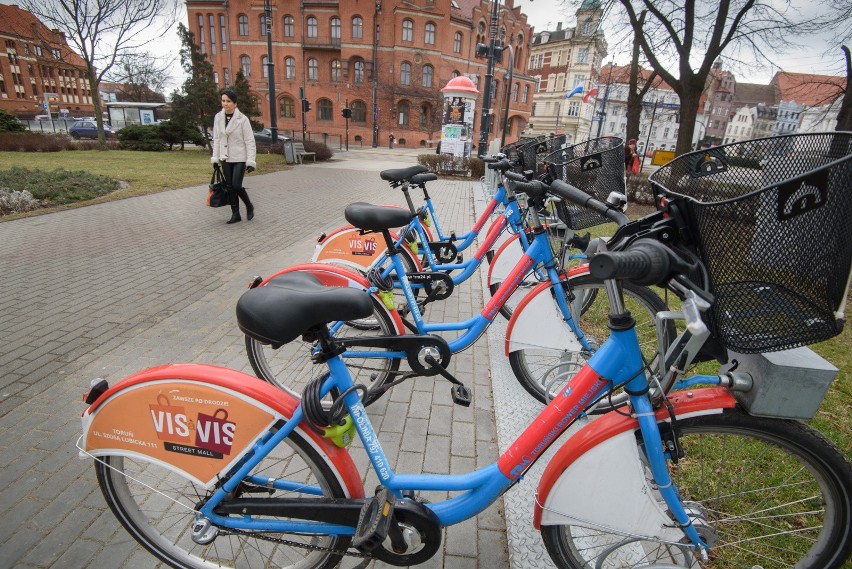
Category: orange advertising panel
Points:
column 198, row 429
column 351, row 246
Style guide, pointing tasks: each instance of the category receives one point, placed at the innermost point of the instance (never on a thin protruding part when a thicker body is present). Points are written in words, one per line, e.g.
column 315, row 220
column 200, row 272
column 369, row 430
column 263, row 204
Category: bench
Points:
column 300, row 153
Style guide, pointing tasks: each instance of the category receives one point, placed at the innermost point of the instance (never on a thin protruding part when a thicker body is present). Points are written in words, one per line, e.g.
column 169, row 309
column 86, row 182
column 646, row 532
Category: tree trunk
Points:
column 689, row 100
column 634, row 99
column 844, row 115
column 94, row 87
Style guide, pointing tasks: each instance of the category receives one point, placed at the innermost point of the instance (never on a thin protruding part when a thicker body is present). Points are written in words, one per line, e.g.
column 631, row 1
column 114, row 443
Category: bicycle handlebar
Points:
column 516, row 176
column 645, row 262
column 575, row 195
column 502, row 165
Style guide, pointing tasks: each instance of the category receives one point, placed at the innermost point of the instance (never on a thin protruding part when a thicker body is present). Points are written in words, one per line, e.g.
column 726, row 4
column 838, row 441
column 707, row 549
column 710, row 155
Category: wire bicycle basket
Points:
column 771, row 219
column 595, row 166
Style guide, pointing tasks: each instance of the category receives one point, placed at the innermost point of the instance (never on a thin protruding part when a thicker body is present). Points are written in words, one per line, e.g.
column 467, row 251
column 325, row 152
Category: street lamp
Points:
column 491, row 50
column 273, row 120
column 376, row 73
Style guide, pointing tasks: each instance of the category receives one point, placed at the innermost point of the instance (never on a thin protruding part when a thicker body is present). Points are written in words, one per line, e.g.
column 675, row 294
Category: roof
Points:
column 621, row 74
column 752, row 94
column 17, row 22
column 808, row 90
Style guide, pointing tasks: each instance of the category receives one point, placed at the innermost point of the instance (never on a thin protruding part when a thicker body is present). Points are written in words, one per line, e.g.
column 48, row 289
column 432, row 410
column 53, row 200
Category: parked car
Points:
column 87, row 129
column 264, row 136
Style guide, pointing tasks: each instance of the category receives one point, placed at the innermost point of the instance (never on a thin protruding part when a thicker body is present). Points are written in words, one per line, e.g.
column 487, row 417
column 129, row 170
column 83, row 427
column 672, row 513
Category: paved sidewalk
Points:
column 106, row 290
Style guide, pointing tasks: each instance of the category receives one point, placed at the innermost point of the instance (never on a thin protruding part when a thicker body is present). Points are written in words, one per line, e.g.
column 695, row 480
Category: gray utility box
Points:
column 788, row 384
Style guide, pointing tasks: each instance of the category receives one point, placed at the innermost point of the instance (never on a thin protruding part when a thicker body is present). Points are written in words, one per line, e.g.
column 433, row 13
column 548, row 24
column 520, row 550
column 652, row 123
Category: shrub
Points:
column 59, row 186
column 137, row 137
column 173, row 133
column 323, row 152
column 452, row 166
column 8, row 123
column 12, row 201
column 33, row 142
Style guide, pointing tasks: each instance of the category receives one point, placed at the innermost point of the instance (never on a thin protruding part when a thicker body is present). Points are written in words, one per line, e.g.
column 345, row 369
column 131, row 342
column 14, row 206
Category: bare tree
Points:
column 102, row 31
column 636, row 93
column 141, row 77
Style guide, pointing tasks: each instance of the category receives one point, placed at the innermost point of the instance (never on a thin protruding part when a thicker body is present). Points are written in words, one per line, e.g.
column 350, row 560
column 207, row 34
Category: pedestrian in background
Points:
column 234, row 147
column 631, row 157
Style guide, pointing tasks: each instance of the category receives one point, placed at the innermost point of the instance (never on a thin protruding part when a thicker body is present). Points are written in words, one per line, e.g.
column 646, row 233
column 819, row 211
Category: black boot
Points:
column 249, row 207
column 235, row 214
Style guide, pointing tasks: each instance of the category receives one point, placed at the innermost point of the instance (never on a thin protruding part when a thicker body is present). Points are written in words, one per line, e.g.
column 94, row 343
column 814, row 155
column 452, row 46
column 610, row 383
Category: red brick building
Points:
column 35, row 60
column 394, row 53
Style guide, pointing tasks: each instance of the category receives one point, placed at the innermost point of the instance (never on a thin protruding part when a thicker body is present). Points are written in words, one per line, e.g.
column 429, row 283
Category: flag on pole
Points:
column 575, row 91
column 589, row 95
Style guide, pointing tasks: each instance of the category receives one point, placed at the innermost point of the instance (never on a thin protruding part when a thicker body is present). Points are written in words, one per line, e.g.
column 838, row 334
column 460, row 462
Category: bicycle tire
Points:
column 290, row 367
column 543, row 371
column 790, row 463
column 153, row 517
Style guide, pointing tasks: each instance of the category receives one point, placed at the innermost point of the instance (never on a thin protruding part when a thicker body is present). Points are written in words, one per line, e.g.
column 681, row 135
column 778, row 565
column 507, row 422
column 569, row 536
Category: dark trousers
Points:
column 234, row 173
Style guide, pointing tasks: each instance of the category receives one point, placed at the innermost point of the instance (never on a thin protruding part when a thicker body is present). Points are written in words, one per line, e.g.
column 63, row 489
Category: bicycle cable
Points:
column 316, row 416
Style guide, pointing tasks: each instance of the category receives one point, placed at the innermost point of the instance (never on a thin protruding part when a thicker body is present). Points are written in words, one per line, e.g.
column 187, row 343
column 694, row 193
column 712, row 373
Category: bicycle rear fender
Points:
column 538, row 322
column 507, row 256
column 332, row 275
column 348, row 246
column 597, row 475
column 197, row 420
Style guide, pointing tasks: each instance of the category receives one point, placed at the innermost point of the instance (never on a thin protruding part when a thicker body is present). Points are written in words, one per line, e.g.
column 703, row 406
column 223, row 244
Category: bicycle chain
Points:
column 281, row 540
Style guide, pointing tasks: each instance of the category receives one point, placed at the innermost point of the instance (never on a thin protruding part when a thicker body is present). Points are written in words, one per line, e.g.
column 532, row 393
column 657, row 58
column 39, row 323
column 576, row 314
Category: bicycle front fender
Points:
column 508, row 255
column 538, row 322
column 199, row 421
column 597, row 476
column 333, row 275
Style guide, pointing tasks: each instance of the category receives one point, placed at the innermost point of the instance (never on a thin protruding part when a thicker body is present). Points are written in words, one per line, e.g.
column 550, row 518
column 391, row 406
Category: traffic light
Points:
column 481, row 50
column 347, row 113
column 306, row 105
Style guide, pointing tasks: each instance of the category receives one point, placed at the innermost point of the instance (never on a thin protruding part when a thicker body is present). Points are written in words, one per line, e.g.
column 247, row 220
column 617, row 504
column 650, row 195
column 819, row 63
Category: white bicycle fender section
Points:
column 537, row 322
column 505, row 259
column 606, row 488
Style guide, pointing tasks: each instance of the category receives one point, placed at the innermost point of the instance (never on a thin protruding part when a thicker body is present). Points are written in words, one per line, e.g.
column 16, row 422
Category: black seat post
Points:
column 389, row 242
column 408, row 198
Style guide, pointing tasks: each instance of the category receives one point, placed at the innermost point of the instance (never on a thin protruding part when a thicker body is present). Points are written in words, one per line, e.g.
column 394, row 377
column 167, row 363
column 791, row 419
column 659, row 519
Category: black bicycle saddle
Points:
column 402, row 174
column 376, row 217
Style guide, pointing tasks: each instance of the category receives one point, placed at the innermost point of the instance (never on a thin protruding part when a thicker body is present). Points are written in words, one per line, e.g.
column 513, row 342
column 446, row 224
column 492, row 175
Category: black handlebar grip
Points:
column 532, row 189
column 501, row 165
column 645, row 262
column 576, row 195
column 515, row 176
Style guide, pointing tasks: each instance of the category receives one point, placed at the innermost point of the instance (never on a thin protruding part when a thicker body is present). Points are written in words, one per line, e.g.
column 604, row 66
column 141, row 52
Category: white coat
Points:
column 234, row 143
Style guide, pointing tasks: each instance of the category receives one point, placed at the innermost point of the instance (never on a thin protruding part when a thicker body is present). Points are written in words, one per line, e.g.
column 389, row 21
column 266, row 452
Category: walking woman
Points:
column 233, row 146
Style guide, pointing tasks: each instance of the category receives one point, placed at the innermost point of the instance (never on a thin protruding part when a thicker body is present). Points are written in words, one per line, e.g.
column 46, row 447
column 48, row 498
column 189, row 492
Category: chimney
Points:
column 559, row 26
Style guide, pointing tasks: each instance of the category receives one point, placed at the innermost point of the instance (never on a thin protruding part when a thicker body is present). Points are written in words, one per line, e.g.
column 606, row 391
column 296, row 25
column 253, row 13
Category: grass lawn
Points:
column 143, row 172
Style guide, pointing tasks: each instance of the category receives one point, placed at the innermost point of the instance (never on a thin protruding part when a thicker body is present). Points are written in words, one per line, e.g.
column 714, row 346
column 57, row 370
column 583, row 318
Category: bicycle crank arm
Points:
column 413, row 345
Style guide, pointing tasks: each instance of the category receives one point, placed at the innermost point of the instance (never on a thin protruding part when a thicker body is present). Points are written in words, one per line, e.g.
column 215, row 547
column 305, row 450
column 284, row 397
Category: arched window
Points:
column 526, row 94
column 313, row 69
column 335, row 28
column 312, row 27
column 455, row 74
column 427, row 75
column 264, row 66
column 404, row 111
column 242, row 25
column 263, row 25
column 357, row 27
column 359, row 71
column 407, row 30
column 429, row 34
column 359, row 111
column 288, row 108
column 515, row 88
column 481, row 27
column 425, row 115
column 289, row 27
column 324, row 110
column 336, row 70
column 405, row 73
column 290, row 68
column 457, row 42
column 245, row 65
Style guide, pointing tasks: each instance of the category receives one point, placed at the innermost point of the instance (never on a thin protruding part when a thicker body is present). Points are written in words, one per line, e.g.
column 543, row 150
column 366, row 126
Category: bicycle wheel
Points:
column 156, row 506
column 544, row 371
column 290, row 367
column 764, row 492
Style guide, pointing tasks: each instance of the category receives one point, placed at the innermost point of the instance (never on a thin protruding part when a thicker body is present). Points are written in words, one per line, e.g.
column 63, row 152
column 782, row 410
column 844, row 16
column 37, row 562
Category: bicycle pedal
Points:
column 461, row 395
column 374, row 520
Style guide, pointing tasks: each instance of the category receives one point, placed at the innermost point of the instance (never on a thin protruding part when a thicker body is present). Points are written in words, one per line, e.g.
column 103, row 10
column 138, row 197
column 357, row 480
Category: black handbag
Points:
column 217, row 191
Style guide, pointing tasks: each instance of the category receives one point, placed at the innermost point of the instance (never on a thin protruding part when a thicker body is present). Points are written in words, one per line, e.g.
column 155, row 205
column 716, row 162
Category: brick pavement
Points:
column 106, row 290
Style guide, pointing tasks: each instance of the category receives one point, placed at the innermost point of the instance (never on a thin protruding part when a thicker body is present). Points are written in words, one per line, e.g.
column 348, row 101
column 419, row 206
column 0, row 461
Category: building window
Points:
column 222, row 32
column 515, row 88
column 289, row 68
column 242, row 24
column 264, row 66
column 357, row 27
column 425, row 115
column 429, row 34
column 313, row 69
column 526, row 93
column 587, row 28
column 427, row 75
column 324, row 110
column 212, row 22
column 573, row 109
column 359, row 111
column 583, row 55
column 245, row 65
column 336, row 70
column 312, row 27
column 455, row 73
column 227, row 75
column 335, row 28
column 403, row 114
column 457, row 42
column 38, row 50
column 405, row 73
column 407, row 30
column 289, row 28
column 200, row 34
column 288, row 108
column 263, row 25
column 216, row 78
column 359, row 71
column 579, row 80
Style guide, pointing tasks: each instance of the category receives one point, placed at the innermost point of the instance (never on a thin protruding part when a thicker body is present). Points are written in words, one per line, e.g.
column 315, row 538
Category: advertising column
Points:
column 457, row 119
